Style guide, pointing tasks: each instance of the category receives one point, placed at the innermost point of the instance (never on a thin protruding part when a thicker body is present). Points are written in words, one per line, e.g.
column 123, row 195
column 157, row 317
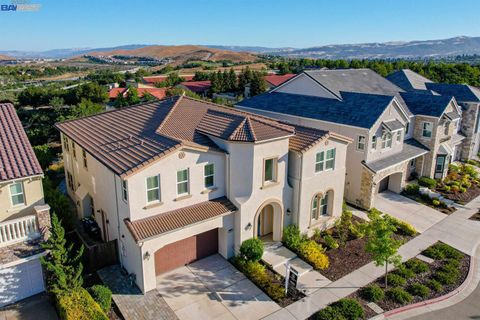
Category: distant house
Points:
column 152, row 80
column 24, row 216
column 199, row 87
column 158, row 93
column 274, row 80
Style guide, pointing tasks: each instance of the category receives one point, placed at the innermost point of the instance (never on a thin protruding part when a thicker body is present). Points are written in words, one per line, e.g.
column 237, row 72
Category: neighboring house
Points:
column 274, row 80
column 153, row 80
column 199, row 87
column 179, row 179
column 158, row 93
column 389, row 146
column 24, row 216
column 467, row 97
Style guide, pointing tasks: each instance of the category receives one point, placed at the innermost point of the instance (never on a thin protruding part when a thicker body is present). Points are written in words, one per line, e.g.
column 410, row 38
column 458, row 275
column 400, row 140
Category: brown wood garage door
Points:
column 185, row 251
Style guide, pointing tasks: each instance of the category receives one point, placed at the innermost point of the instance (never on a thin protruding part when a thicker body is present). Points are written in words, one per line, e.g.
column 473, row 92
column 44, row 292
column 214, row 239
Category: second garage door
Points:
column 185, row 251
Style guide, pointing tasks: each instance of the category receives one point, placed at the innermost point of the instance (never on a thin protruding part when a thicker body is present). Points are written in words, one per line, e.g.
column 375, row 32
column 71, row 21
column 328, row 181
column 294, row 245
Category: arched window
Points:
column 320, row 205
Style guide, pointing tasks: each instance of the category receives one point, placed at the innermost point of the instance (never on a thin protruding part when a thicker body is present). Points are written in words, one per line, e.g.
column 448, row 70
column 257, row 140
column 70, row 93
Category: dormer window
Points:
column 446, row 126
column 386, row 140
column 361, row 143
column 374, row 142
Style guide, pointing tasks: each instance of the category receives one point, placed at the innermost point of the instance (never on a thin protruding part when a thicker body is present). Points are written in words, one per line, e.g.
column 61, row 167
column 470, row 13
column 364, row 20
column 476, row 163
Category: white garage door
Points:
column 20, row 281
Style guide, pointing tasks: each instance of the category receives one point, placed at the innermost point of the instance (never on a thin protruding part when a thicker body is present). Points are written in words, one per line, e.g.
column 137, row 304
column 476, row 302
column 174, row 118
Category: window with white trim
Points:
column 85, row 162
column 427, row 129
column 153, row 189
column 209, row 175
column 399, row 136
column 445, row 129
column 125, row 190
column 386, row 140
column 270, row 170
column 374, row 142
column 65, row 143
column 319, row 206
column 182, row 182
column 407, row 127
column 325, row 160
column 361, row 143
column 16, row 194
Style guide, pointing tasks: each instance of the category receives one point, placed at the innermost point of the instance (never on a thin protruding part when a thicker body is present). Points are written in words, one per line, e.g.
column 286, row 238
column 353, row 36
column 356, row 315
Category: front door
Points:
column 265, row 221
column 439, row 167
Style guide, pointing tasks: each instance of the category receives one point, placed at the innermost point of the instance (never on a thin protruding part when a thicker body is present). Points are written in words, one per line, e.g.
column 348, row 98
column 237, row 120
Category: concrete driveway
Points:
column 33, row 308
column 212, row 288
column 417, row 214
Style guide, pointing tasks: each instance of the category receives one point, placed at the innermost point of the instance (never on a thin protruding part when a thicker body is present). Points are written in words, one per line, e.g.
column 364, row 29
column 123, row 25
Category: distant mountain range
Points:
column 410, row 49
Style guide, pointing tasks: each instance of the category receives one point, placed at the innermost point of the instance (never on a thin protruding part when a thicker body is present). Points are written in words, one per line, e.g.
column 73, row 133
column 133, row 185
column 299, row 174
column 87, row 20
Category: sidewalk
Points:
column 455, row 230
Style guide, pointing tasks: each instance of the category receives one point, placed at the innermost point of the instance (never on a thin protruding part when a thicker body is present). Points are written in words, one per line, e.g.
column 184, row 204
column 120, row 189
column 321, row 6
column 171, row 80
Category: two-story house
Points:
column 359, row 104
column 24, row 216
column 465, row 139
column 179, row 179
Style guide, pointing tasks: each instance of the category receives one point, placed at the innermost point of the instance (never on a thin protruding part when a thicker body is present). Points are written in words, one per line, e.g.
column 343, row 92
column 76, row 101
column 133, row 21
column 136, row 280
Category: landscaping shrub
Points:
column 403, row 227
column 399, row 295
column 358, row 229
column 441, row 250
column 395, row 280
column 314, row 254
column 329, row 313
column 418, row 289
column 102, row 295
column 350, row 309
column 252, row 249
column 276, row 292
column 417, row 266
column 427, row 182
column 446, row 277
column 344, row 224
column 436, row 202
column 470, row 170
column 434, row 285
column 412, row 189
column 372, row 293
column 434, row 253
column 79, row 305
column 404, row 272
column 330, row 242
column 292, row 237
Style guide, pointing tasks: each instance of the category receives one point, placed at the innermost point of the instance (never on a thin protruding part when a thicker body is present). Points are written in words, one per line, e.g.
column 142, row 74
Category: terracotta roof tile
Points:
column 17, row 159
column 197, row 86
column 277, row 79
column 153, row 226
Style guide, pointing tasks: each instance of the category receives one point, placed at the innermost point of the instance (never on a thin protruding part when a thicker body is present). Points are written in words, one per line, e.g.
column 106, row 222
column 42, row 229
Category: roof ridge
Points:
column 234, row 132
column 250, row 128
column 169, row 114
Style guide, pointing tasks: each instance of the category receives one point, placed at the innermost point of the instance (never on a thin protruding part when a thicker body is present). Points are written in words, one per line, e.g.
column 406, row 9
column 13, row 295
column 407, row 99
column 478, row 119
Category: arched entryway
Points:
column 392, row 182
column 269, row 221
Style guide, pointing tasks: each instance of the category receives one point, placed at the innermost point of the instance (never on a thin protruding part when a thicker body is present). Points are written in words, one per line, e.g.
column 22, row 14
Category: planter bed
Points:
column 461, row 198
column 461, row 184
column 352, row 256
column 274, row 278
column 476, row 216
column 419, row 199
column 418, row 278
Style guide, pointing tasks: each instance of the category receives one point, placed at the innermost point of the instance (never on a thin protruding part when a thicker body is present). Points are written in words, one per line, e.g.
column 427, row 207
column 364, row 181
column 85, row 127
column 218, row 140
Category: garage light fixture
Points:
column 146, row 256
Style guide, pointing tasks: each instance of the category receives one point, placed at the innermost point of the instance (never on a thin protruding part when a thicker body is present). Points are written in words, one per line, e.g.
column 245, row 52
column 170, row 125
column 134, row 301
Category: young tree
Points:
column 343, row 225
column 83, row 109
column 132, row 96
column 64, row 269
column 381, row 243
column 258, row 84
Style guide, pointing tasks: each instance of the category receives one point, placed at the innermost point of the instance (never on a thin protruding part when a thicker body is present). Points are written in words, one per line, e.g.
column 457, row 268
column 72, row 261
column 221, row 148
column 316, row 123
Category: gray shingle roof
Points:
column 408, row 80
column 427, row 105
column 356, row 109
column 411, row 150
column 393, row 125
column 461, row 92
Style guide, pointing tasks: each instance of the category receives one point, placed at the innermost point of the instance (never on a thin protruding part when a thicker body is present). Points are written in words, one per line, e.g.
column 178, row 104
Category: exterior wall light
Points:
column 249, row 226
column 146, row 256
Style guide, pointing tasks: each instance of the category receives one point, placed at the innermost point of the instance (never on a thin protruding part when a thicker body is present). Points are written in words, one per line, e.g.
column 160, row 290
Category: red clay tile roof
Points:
column 17, row 159
column 305, row 138
column 159, row 79
column 197, row 86
column 128, row 139
column 164, row 222
column 113, row 93
column 276, row 79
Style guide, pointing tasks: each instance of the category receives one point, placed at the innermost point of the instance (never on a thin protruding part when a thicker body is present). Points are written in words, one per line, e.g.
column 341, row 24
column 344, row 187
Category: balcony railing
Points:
column 18, row 230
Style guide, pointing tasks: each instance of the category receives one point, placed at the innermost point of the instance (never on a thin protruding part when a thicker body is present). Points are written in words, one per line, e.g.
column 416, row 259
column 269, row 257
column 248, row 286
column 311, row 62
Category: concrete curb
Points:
column 441, row 302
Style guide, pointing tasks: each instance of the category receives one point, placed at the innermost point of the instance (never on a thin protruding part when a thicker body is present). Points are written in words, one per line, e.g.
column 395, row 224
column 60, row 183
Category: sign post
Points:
column 291, row 277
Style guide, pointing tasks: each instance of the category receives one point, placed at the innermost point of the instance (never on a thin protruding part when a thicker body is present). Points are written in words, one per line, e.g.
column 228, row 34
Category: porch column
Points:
column 43, row 220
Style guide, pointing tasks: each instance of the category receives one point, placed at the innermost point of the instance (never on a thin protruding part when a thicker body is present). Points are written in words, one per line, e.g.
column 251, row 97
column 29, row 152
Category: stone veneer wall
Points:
column 370, row 181
column 469, row 118
column 432, row 143
column 43, row 219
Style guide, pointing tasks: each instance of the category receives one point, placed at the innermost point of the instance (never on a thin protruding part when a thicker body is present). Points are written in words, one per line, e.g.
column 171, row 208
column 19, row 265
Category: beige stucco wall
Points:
column 33, row 193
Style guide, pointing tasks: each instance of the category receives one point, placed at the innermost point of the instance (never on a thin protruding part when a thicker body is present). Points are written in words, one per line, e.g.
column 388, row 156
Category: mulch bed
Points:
column 476, row 216
column 352, row 256
column 462, row 198
column 387, row 305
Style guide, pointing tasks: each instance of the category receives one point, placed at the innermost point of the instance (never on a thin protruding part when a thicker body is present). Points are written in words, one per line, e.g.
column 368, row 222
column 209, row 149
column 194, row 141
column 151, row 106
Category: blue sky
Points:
column 271, row 23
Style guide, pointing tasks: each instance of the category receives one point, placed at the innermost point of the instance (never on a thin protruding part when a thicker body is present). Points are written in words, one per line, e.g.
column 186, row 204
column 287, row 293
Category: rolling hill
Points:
column 5, row 57
column 180, row 54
